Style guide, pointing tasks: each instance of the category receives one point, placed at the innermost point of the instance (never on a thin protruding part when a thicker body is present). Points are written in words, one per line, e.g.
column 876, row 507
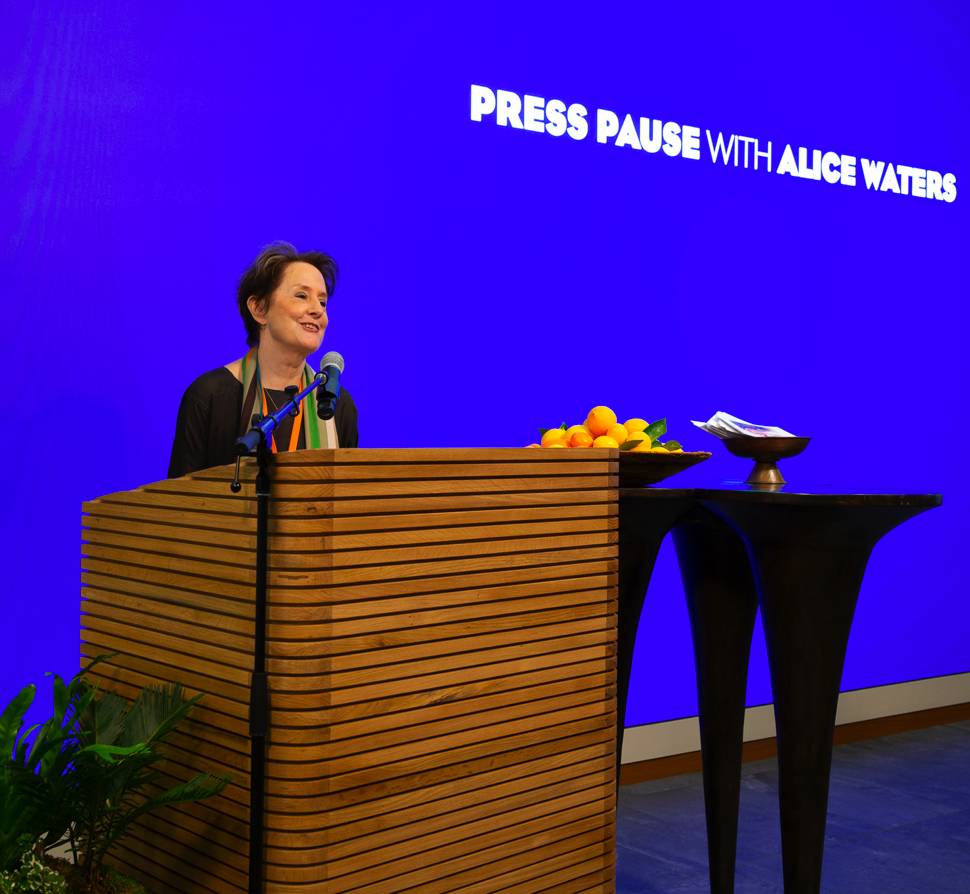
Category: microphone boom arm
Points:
column 264, row 427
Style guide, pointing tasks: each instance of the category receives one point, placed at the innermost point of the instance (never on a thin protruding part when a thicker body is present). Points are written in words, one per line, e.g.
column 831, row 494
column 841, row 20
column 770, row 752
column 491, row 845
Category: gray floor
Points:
column 899, row 823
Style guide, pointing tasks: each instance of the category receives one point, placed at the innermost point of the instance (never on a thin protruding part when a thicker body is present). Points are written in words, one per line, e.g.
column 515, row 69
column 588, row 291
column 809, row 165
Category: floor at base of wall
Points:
column 898, row 823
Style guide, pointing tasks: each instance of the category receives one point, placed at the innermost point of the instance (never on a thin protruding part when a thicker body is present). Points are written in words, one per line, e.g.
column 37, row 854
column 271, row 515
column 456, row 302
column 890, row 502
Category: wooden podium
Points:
column 441, row 651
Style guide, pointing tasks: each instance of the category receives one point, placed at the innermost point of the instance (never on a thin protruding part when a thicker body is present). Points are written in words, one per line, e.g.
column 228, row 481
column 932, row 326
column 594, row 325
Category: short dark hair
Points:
column 266, row 273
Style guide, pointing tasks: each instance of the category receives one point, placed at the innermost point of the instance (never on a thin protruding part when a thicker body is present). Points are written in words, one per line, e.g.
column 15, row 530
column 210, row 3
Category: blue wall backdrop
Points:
column 149, row 153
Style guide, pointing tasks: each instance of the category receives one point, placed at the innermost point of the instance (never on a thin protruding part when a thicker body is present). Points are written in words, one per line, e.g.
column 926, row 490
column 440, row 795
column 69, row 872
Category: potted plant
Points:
column 79, row 780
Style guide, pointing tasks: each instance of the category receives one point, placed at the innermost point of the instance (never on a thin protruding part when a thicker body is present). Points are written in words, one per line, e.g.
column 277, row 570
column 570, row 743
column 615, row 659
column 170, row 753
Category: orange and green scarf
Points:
column 317, row 432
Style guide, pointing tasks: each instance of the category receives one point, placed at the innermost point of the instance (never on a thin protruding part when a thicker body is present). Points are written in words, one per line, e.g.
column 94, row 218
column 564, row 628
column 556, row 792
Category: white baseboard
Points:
column 653, row 740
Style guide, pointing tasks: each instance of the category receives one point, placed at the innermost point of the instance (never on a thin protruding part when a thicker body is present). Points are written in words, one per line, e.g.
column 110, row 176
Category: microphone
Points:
column 331, row 366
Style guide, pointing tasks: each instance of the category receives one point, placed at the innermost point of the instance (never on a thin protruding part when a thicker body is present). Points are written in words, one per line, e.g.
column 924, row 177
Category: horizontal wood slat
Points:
column 477, row 796
column 335, row 557
column 339, row 472
column 421, row 530
column 137, row 562
column 441, row 636
column 474, row 586
column 312, row 491
column 352, row 809
column 180, row 523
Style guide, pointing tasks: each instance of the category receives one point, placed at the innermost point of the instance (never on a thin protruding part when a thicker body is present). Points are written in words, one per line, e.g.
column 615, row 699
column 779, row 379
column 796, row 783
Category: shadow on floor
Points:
column 898, row 823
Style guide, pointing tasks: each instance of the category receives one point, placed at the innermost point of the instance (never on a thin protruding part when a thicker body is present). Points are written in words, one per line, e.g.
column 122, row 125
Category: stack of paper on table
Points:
column 724, row 425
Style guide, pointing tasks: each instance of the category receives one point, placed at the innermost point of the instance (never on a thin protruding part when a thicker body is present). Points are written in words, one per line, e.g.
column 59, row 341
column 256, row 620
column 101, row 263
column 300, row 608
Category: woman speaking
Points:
column 283, row 304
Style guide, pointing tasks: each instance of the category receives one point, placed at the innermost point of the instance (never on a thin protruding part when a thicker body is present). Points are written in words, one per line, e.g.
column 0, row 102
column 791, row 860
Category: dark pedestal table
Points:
column 722, row 603
column 646, row 516
column 801, row 557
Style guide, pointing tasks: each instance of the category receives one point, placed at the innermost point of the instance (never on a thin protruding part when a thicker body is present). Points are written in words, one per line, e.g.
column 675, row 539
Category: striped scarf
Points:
column 317, row 433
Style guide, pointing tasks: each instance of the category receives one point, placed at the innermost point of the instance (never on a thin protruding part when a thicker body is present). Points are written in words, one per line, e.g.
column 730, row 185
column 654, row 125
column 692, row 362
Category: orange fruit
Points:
column 642, row 438
column 581, row 438
column 557, row 444
column 635, row 424
column 605, row 441
column 533, row 445
column 599, row 420
column 553, row 436
column 575, row 428
column 617, row 432
column 659, row 450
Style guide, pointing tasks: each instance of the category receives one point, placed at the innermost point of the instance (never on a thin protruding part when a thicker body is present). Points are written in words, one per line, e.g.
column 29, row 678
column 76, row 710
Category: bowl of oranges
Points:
column 644, row 458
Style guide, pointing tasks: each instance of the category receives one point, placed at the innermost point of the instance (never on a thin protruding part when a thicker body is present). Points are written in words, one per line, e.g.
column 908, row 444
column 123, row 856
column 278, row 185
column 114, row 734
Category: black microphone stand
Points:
column 259, row 691
column 258, row 439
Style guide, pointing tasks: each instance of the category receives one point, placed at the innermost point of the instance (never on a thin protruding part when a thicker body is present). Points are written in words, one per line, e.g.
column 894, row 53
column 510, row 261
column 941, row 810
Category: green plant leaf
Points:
column 656, row 429
column 86, row 772
column 62, row 696
column 45, row 747
column 155, row 713
column 196, row 789
column 104, row 718
column 673, row 445
column 110, row 752
column 12, row 719
column 628, row 445
column 22, row 812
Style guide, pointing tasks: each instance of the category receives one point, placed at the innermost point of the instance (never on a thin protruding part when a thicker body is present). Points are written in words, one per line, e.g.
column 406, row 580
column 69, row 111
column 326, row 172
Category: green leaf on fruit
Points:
column 628, row 445
column 673, row 445
column 656, row 429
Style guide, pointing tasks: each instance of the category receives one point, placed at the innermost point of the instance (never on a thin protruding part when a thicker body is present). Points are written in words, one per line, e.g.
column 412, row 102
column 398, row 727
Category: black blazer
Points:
column 208, row 423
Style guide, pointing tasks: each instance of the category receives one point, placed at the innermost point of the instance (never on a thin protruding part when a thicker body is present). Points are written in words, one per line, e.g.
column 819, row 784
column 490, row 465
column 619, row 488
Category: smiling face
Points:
column 295, row 316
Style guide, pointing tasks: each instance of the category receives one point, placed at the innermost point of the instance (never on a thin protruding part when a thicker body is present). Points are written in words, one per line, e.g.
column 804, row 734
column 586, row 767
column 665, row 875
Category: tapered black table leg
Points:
column 809, row 559
column 646, row 516
column 722, row 602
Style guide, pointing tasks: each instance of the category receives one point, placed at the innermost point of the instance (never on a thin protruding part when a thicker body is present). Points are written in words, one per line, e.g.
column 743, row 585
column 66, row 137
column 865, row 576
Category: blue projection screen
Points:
column 513, row 241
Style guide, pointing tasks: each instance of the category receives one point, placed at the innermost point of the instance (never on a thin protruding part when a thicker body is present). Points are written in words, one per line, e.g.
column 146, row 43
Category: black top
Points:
column 739, row 492
column 209, row 421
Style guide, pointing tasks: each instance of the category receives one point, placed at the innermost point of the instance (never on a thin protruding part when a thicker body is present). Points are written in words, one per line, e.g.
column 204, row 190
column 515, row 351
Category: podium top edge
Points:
column 443, row 454
column 517, row 458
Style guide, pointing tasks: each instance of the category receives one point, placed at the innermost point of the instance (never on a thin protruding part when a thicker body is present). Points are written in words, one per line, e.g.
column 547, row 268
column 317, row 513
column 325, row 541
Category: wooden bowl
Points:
column 765, row 452
column 649, row 468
